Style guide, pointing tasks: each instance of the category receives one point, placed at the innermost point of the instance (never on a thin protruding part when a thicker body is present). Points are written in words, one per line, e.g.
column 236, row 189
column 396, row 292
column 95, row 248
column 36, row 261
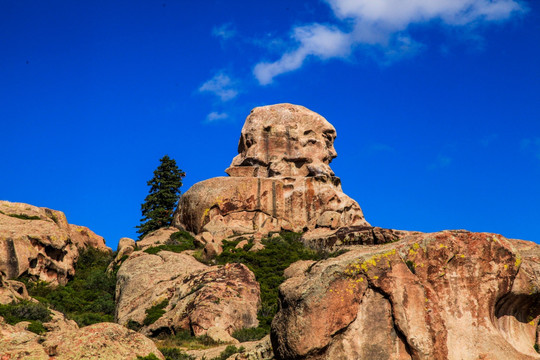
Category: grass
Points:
column 89, row 297
column 23, row 216
column 185, row 339
column 268, row 266
column 25, row 310
column 229, row 350
column 155, row 312
column 175, row 354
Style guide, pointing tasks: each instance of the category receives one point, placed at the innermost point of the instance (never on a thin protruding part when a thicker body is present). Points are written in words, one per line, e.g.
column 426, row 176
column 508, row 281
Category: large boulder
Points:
column 280, row 180
column 207, row 300
column 445, row 295
column 99, row 341
column 40, row 242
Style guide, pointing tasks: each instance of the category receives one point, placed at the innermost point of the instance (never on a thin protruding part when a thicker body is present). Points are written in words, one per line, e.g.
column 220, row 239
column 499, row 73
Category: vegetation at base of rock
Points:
column 155, row 312
column 89, row 297
column 133, row 325
column 175, row 354
column 158, row 207
column 229, row 350
column 249, row 334
column 24, row 216
column 150, row 356
column 268, row 265
column 35, row 313
column 178, row 242
column 185, row 339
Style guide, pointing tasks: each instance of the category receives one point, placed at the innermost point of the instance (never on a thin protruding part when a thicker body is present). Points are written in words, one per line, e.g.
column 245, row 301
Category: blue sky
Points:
column 436, row 103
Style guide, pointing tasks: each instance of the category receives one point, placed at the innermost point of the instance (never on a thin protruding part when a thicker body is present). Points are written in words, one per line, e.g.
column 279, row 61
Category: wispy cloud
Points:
column 441, row 162
column 489, row 139
column 216, row 116
column 531, row 145
column 222, row 86
column 381, row 25
column 225, row 31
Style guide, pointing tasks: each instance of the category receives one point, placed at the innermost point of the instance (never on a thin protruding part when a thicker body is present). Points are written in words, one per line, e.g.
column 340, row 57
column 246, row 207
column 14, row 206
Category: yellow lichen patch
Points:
column 375, row 277
column 518, row 261
column 505, row 267
column 441, row 246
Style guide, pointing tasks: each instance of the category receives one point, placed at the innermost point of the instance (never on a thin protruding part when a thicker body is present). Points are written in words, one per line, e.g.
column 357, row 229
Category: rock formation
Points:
column 211, row 300
column 280, row 180
column 68, row 342
column 446, row 295
column 41, row 243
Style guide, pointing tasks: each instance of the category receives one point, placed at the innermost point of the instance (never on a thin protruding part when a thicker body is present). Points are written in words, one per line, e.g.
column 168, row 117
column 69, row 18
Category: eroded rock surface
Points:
column 99, row 341
column 200, row 298
column 280, row 180
column 446, row 295
column 40, row 242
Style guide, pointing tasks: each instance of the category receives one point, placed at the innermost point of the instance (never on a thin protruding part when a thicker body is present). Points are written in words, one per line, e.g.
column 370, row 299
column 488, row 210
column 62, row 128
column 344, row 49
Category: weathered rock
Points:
column 199, row 297
column 157, row 237
column 125, row 242
column 40, row 242
column 99, row 341
column 328, row 239
column 211, row 250
column 446, row 295
column 11, row 290
column 280, row 180
column 253, row 350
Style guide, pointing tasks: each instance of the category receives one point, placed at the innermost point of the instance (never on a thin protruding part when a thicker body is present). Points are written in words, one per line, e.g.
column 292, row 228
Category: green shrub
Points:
column 249, row 334
column 178, row 242
column 88, row 298
column 229, row 350
column 36, row 327
column 24, row 311
column 133, row 325
column 150, row 356
column 24, row 216
column 155, row 312
column 175, row 354
column 268, row 265
column 185, row 339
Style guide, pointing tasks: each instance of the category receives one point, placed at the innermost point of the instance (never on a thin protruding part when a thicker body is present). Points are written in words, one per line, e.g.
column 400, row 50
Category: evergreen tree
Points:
column 159, row 205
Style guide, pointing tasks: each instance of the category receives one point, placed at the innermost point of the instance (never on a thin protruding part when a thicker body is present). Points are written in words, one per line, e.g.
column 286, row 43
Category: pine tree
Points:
column 158, row 207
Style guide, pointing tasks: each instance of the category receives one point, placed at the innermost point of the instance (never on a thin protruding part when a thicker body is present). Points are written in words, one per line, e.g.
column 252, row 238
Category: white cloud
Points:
column 531, row 146
column 222, row 86
column 216, row 116
column 225, row 31
column 382, row 24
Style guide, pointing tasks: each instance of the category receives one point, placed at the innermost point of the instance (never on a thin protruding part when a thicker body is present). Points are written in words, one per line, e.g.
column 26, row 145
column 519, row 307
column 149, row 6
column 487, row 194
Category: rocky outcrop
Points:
column 252, row 350
column 280, row 180
column 99, row 341
column 11, row 290
column 41, row 243
column 211, row 300
column 446, row 295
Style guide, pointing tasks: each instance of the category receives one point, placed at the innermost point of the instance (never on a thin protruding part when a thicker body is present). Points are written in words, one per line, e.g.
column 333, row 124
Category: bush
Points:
column 249, row 334
column 133, row 325
column 178, row 242
column 155, row 312
column 36, row 327
column 229, row 350
column 175, row 354
column 89, row 297
column 150, row 356
column 24, row 216
column 24, row 311
column 185, row 339
column 268, row 266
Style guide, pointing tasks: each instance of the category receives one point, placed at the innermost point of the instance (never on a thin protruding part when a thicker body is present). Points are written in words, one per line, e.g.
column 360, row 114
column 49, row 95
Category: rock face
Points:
column 40, row 242
column 446, row 295
column 94, row 342
column 280, row 180
column 212, row 300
